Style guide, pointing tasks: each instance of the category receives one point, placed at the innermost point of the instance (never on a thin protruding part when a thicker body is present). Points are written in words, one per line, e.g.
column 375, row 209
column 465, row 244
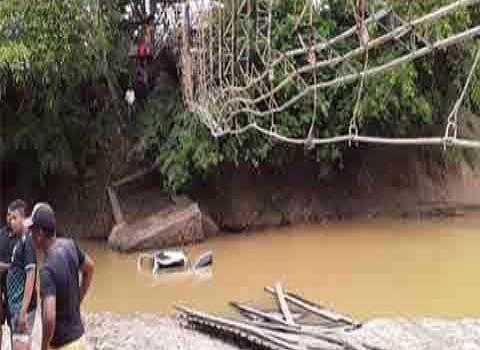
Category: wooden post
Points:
column 326, row 314
column 187, row 69
column 283, row 304
column 260, row 314
column 117, row 212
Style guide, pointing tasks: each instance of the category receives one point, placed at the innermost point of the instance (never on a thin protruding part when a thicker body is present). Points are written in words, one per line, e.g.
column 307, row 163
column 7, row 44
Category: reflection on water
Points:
column 365, row 269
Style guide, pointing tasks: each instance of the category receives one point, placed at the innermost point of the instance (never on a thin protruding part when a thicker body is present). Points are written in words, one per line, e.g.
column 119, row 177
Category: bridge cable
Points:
column 451, row 130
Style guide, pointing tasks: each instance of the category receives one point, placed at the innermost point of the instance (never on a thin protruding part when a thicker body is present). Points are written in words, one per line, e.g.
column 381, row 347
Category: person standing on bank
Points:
column 7, row 242
column 60, row 288
column 21, row 280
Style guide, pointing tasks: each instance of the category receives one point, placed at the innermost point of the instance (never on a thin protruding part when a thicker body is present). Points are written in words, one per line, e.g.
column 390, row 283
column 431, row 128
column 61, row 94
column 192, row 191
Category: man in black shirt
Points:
column 7, row 241
column 21, row 280
column 60, row 288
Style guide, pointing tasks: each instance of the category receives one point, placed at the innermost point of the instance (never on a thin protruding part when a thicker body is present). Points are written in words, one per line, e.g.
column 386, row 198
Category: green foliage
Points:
column 64, row 65
column 395, row 106
column 412, row 100
column 55, row 60
column 176, row 140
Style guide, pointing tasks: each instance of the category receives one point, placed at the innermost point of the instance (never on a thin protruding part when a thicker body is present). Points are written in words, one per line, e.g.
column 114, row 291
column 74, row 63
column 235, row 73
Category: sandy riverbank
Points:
column 107, row 331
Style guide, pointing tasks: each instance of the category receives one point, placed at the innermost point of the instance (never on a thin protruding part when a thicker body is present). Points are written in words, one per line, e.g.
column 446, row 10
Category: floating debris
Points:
column 173, row 260
column 297, row 324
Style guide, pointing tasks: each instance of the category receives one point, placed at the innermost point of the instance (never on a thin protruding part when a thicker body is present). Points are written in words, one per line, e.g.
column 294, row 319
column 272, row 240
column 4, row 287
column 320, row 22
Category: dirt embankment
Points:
column 107, row 331
column 368, row 182
column 372, row 182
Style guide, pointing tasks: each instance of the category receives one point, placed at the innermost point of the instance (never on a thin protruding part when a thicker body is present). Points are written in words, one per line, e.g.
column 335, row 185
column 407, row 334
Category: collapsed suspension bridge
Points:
column 230, row 76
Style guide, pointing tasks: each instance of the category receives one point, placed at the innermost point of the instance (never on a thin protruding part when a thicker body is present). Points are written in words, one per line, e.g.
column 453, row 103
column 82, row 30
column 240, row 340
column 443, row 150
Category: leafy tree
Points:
column 412, row 100
column 62, row 64
column 64, row 67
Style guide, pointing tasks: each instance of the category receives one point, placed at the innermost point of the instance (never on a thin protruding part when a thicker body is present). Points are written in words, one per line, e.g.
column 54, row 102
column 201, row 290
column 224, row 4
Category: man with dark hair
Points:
column 21, row 280
column 60, row 287
column 18, row 205
column 7, row 241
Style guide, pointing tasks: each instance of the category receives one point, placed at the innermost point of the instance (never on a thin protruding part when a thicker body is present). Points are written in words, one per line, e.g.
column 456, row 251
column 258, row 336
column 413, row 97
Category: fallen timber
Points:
column 315, row 309
column 296, row 324
column 282, row 303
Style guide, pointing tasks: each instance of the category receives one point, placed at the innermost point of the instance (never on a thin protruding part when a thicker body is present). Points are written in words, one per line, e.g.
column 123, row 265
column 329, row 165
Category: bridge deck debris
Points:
column 298, row 324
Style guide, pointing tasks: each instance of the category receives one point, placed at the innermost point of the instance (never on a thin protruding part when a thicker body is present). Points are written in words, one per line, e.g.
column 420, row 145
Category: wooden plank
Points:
column 261, row 314
column 306, row 301
column 255, row 331
column 139, row 174
column 117, row 211
column 283, row 304
column 275, row 339
column 327, row 314
column 308, row 341
column 273, row 326
column 324, row 334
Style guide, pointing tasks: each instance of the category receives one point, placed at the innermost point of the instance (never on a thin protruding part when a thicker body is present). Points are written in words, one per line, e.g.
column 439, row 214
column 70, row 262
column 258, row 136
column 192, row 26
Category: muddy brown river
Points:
column 367, row 269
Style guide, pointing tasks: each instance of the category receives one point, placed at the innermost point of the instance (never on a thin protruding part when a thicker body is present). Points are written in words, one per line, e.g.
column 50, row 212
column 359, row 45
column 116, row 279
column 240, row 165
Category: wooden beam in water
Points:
column 272, row 338
column 261, row 314
column 273, row 326
column 327, row 314
column 317, row 332
column 306, row 301
column 139, row 174
column 283, row 305
column 117, row 211
column 309, row 340
column 305, row 341
column 230, row 325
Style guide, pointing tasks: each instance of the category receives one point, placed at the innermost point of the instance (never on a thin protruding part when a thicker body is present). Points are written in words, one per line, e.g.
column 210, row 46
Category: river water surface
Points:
column 366, row 269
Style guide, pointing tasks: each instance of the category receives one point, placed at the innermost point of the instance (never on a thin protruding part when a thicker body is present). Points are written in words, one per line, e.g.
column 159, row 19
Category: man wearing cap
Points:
column 21, row 279
column 60, row 287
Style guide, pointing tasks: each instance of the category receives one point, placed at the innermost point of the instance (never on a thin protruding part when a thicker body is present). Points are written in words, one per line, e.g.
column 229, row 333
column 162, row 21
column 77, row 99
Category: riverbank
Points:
column 421, row 334
column 107, row 331
column 135, row 332
column 367, row 183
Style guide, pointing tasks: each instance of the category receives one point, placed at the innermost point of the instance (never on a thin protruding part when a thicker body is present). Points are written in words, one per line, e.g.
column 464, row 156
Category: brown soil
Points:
column 369, row 182
column 141, row 199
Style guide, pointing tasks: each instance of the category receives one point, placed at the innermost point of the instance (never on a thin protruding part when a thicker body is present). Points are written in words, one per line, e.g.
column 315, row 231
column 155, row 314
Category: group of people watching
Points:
column 64, row 278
